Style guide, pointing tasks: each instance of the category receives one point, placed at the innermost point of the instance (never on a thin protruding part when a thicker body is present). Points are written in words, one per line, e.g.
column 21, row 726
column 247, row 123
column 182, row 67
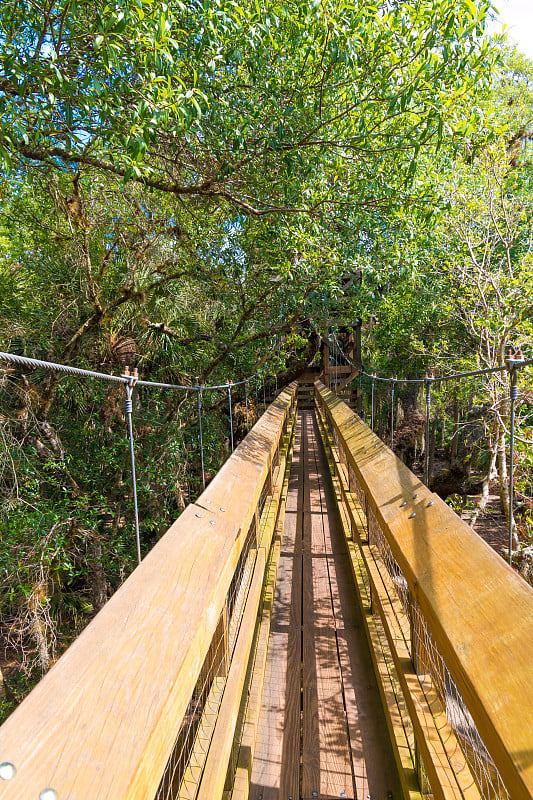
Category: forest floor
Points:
column 490, row 524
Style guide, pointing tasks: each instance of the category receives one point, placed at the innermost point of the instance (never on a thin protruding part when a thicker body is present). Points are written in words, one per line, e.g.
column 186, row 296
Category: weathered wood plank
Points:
column 326, row 759
column 374, row 766
column 214, row 774
column 276, row 762
column 392, row 700
column 243, row 773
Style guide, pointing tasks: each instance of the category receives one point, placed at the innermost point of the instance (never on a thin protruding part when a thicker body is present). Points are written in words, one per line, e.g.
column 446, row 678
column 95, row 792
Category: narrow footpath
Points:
column 322, row 733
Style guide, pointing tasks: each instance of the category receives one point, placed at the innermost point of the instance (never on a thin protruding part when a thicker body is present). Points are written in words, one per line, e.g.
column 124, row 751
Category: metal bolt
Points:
column 412, row 515
column 48, row 794
column 7, row 771
column 403, row 504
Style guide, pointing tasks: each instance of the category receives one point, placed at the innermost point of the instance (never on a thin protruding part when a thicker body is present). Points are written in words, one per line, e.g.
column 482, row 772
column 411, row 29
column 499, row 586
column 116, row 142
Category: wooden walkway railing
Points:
column 130, row 708
column 147, row 703
column 449, row 623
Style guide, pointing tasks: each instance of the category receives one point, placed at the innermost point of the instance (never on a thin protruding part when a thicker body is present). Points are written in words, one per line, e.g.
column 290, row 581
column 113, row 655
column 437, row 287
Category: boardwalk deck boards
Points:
column 337, row 745
column 276, row 764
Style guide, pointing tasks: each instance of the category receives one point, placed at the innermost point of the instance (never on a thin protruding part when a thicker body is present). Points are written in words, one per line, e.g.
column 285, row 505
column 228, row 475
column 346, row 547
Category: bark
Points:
column 490, row 475
column 38, row 628
column 410, row 424
column 503, row 479
column 455, row 435
column 98, row 577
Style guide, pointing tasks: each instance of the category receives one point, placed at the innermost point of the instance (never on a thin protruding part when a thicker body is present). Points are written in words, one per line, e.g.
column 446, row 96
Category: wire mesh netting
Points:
column 434, row 673
column 377, row 541
column 357, row 489
column 185, row 766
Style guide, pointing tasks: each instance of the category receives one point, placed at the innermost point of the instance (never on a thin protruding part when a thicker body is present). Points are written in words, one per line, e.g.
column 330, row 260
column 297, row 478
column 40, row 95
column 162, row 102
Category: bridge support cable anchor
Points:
column 428, row 414
column 230, row 414
column 199, row 409
column 132, row 380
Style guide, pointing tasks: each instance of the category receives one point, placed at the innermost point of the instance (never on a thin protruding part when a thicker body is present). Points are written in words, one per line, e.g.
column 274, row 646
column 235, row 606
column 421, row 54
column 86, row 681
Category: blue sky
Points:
column 517, row 15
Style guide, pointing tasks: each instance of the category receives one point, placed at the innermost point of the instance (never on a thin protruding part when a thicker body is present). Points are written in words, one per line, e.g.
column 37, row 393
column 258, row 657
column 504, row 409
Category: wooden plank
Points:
column 443, row 747
column 243, row 773
column 214, row 775
column 326, row 759
column 374, row 766
column 479, row 625
column 275, row 770
column 118, row 695
column 440, row 773
column 389, row 688
column 241, row 785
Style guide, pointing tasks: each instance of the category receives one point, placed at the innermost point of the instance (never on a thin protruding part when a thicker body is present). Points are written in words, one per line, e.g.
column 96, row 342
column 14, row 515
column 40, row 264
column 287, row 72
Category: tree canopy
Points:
column 202, row 190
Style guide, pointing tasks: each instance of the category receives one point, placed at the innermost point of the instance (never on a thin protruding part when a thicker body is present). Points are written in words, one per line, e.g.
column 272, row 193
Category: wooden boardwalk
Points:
column 321, row 732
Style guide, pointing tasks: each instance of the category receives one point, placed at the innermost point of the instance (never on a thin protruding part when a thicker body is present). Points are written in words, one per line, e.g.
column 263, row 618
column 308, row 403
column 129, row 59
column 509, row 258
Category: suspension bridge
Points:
column 318, row 624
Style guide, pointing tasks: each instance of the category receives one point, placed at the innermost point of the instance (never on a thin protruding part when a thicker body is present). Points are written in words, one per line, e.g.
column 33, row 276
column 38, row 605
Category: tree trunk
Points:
column 491, row 474
column 455, row 435
column 98, row 577
column 37, row 604
column 503, row 480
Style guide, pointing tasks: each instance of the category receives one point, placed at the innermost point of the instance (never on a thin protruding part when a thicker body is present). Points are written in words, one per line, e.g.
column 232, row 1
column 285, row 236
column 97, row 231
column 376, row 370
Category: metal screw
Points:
column 403, row 504
column 415, row 496
column 208, row 501
column 48, row 794
column 412, row 515
column 198, row 515
column 7, row 771
column 430, row 503
column 222, row 509
column 213, row 522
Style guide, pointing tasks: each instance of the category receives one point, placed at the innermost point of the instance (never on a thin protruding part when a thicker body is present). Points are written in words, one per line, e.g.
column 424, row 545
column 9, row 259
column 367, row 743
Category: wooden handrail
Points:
column 479, row 611
column 103, row 722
